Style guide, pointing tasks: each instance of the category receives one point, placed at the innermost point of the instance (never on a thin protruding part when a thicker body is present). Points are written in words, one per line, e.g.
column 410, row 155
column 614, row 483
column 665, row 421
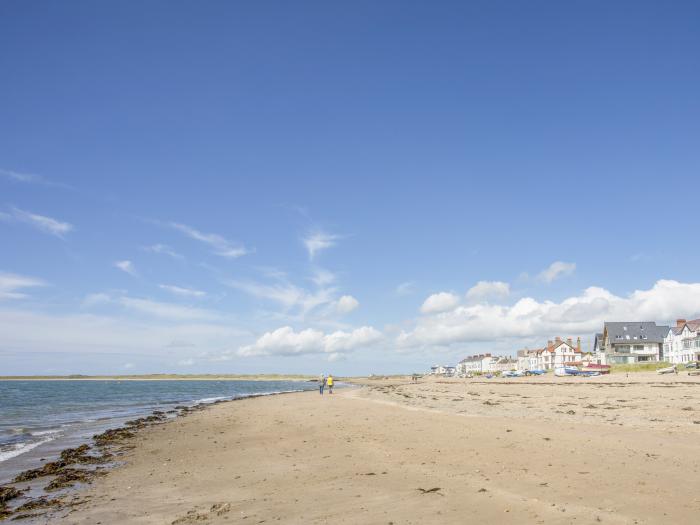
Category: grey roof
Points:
column 676, row 330
column 637, row 331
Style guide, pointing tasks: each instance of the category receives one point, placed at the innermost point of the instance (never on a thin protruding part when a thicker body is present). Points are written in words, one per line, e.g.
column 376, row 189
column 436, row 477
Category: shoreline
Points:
column 156, row 378
column 48, row 490
column 437, row 451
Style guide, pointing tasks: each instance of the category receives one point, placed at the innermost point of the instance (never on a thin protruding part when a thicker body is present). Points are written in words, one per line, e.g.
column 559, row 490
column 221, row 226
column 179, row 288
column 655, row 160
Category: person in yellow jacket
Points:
column 329, row 384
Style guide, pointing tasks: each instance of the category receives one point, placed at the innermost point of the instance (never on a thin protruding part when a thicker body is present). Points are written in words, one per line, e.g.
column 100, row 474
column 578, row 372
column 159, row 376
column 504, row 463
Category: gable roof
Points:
column 694, row 325
column 624, row 332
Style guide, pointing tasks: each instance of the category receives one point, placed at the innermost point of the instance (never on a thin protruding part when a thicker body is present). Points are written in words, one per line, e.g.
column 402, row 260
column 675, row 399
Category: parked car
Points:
column 513, row 373
column 692, row 364
column 536, row 372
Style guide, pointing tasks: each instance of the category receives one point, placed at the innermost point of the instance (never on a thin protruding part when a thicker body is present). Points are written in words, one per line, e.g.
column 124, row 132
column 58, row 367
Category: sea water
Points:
column 40, row 418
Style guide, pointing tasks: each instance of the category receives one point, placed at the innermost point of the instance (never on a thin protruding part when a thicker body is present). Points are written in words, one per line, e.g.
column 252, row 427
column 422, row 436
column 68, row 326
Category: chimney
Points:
column 550, row 344
column 570, row 342
column 578, row 344
column 557, row 339
column 680, row 322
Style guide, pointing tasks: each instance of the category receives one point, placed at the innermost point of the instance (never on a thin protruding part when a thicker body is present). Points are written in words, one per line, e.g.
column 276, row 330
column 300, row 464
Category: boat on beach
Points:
column 574, row 371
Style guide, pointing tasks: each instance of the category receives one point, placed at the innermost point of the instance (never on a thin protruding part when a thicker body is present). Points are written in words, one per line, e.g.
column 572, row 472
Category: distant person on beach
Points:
column 329, row 382
column 321, row 384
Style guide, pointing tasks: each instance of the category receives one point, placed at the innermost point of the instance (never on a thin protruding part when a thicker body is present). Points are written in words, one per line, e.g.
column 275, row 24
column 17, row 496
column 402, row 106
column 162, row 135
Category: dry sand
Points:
column 526, row 450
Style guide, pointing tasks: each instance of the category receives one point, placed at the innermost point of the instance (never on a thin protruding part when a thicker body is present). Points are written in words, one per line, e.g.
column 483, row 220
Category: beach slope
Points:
column 373, row 455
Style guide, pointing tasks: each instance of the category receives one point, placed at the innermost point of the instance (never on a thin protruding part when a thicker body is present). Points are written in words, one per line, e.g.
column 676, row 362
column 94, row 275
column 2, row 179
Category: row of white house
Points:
column 619, row 342
column 558, row 353
column 484, row 363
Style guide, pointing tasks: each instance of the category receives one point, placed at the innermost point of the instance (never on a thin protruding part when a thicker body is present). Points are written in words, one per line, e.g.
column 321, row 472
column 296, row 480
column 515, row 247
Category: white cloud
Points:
column 582, row 314
column 323, row 277
column 556, row 270
column 406, row 288
column 163, row 250
column 285, row 341
column 319, row 241
column 126, row 266
column 183, row 292
column 169, row 311
column 96, row 298
column 439, row 302
column 221, row 246
column 39, row 222
column 485, row 289
column 335, row 357
column 10, row 283
column 346, row 304
column 287, row 295
column 30, row 178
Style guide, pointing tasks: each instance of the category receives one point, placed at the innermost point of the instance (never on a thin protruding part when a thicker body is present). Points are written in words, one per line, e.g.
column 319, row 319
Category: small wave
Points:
column 212, row 399
column 20, row 448
column 45, row 432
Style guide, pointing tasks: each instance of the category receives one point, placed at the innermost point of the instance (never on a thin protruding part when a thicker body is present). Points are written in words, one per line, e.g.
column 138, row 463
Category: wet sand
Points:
column 526, row 450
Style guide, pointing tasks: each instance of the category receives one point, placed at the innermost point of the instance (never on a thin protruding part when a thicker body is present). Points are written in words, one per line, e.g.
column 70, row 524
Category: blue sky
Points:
column 315, row 187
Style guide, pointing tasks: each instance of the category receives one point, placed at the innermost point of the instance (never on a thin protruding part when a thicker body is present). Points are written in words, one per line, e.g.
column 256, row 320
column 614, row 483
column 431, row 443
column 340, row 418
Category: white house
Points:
column 633, row 342
column 559, row 353
column 527, row 359
column 441, row 370
column 682, row 342
column 504, row 364
column 476, row 364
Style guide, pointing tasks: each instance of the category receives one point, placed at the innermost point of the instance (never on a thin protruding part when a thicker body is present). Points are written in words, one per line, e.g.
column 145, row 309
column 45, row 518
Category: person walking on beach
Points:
column 321, row 384
column 329, row 382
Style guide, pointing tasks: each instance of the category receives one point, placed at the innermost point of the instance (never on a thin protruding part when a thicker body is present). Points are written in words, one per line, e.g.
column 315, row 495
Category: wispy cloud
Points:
column 40, row 222
column 287, row 295
column 221, row 246
column 137, row 334
column 406, row 288
column 96, row 298
column 20, row 177
column 10, row 283
column 181, row 291
column 30, row 178
column 163, row 250
column 126, row 266
column 556, row 270
column 318, row 241
column 323, row 277
column 170, row 311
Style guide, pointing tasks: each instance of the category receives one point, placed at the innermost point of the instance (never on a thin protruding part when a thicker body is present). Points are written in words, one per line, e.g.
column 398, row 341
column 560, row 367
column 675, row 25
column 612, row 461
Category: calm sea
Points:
column 40, row 418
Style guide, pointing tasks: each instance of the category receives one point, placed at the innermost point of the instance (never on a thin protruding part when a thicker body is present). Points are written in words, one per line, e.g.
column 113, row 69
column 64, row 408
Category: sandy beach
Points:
column 532, row 450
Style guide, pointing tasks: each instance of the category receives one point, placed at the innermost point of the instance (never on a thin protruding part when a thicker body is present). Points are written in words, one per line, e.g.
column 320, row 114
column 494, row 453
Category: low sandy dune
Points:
column 598, row 450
